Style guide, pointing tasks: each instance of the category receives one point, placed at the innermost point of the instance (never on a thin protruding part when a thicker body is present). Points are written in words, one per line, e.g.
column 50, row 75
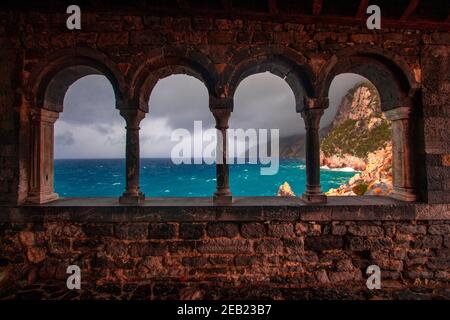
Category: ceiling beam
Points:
column 412, row 5
column 317, row 7
column 273, row 7
column 362, row 8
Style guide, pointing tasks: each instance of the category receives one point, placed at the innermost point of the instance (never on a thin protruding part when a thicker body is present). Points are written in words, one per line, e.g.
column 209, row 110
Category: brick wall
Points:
column 165, row 253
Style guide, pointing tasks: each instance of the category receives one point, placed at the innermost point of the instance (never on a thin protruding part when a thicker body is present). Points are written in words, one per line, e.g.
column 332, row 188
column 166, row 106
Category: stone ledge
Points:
column 243, row 209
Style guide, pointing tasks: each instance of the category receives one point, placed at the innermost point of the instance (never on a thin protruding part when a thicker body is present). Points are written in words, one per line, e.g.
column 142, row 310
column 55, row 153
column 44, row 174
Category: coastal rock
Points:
column 358, row 129
column 285, row 191
column 376, row 179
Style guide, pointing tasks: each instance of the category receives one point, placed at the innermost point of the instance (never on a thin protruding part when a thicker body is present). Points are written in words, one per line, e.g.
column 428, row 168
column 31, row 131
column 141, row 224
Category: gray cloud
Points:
column 261, row 101
column 65, row 138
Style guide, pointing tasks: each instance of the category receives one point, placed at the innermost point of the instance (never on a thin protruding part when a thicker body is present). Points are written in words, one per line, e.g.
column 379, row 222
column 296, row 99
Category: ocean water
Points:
column 160, row 178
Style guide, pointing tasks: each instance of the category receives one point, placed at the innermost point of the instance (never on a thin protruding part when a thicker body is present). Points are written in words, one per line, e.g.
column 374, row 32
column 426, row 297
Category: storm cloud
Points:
column 91, row 126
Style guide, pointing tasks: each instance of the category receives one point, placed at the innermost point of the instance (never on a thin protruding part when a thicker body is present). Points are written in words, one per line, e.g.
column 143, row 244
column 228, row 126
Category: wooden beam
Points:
column 183, row 4
column 273, row 7
column 412, row 5
column 317, row 7
column 362, row 8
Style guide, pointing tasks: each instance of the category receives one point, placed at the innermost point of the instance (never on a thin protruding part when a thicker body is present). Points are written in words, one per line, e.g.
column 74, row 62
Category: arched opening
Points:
column 49, row 87
column 265, row 138
column 89, row 141
column 176, row 140
column 356, row 140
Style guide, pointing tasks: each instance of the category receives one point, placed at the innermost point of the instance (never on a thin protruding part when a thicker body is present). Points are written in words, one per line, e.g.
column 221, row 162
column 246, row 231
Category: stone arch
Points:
column 390, row 74
column 51, row 79
column 397, row 87
column 287, row 64
column 148, row 71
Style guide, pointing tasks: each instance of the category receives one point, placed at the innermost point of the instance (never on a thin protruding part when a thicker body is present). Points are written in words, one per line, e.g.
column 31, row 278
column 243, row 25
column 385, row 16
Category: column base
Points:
column 404, row 194
column 225, row 199
column 132, row 198
column 42, row 197
column 316, row 197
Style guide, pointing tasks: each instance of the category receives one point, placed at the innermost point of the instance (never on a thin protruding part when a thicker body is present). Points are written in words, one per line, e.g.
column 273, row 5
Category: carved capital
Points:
column 221, row 116
column 312, row 118
column 133, row 118
column 220, row 103
column 316, row 103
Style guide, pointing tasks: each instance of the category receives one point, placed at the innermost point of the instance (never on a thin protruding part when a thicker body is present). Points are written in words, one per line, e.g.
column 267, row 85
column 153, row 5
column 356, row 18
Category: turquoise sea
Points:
column 160, row 177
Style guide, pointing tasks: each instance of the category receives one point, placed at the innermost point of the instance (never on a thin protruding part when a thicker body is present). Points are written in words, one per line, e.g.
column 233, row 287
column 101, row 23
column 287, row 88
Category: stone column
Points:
column 132, row 194
column 402, row 157
column 41, row 186
column 222, row 195
column 313, row 192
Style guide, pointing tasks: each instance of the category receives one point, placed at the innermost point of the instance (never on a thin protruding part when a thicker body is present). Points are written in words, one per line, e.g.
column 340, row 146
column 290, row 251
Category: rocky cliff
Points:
column 360, row 138
column 358, row 129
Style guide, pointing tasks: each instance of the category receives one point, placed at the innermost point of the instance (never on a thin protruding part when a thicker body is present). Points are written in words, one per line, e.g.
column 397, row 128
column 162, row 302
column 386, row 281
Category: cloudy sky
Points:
column 91, row 127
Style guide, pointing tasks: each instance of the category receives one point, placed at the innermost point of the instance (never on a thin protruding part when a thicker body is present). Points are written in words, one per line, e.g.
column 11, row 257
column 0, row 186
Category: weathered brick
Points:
column 324, row 242
column 281, row 230
column 133, row 231
column 140, row 249
column 339, row 230
column 98, row 230
column 269, row 246
column 412, row 229
column 191, row 231
column 194, row 261
column 253, row 230
column 439, row 229
column 222, row 229
column 224, row 246
column 161, row 231
column 365, row 231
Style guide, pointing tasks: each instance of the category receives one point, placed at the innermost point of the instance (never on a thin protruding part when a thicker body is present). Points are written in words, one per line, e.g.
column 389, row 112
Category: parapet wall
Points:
column 165, row 252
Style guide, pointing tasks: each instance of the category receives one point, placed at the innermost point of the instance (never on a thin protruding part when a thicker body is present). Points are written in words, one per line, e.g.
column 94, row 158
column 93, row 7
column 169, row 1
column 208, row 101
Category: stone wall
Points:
column 293, row 251
column 30, row 40
column 238, row 252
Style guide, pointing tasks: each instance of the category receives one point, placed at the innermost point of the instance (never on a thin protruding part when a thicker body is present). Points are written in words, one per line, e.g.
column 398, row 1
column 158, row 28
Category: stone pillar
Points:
column 402, row 157
column 222, row 195
column 313, row 192
column 132, row 194
column 41, row 186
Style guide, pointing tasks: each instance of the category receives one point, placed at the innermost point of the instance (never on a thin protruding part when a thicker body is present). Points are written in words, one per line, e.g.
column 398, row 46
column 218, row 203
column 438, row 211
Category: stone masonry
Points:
column 254, row 248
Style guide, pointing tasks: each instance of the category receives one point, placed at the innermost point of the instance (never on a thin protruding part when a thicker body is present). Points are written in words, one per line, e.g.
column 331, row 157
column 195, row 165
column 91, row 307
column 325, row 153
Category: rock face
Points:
column 376, row 179
column 358, row 129
column 285, row 191
column 360, row 138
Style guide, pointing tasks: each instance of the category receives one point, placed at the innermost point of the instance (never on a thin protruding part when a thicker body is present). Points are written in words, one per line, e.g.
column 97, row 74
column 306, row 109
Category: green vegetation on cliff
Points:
column 349, row 138
column 359, row 127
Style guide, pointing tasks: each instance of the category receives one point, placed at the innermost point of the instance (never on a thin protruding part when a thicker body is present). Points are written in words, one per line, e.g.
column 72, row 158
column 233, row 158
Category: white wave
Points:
column 116, row 183
column 345, row 169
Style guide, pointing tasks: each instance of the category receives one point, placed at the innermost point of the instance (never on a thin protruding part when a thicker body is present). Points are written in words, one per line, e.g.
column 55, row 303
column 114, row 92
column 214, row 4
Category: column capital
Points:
column 312, row 118
column 133, row 117
column 316, row 103
column 399, row 113
column 222, row 116
column 44, row 115
column 220, row 103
